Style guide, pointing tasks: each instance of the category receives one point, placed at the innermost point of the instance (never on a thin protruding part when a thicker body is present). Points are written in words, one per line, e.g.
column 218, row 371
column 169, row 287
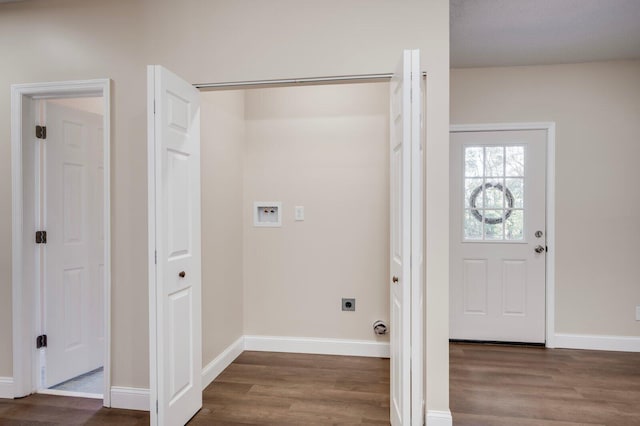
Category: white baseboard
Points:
column 6, row 387
column 222, row 361
column 307, row 345
column 70, row 393
column 597, row 342
column 130, row 398
column 439, row 418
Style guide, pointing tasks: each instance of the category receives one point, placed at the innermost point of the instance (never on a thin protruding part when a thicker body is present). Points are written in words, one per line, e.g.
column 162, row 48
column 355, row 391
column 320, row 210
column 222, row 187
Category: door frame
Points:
column 550, row 214
column 151, row 217
column 25, row 296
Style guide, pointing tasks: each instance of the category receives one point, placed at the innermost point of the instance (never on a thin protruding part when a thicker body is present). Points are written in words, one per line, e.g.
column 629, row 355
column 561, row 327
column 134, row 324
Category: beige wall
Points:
column 324, row 148
column 596, row 107
column 222, row 151
column 225, row 40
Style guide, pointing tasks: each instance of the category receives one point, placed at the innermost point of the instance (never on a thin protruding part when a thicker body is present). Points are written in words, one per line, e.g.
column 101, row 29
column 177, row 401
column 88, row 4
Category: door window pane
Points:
column 474, row 161
column 493, row 227
column 514, row 226
column 515, row 161
column 494, row 161
column 473, row 193
column 472, row 227
column 516, row 191
column 494, row 194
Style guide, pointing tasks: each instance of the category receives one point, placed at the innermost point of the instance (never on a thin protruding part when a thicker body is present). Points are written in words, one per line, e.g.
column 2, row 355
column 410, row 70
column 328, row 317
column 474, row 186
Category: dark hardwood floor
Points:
column 490, row 385
column 298, row 389
column 506, row 386
column 41, row 410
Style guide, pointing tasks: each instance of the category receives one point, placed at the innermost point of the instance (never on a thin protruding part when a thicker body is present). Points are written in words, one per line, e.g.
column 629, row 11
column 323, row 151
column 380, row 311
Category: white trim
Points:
column 60, row 392
column 130, row 398
column 6, row 387
column 597, row 342
column 320, row 346
column 23, row 318
column 222, row 361
column 550, row 128
column 439, row 418
column 151, row 235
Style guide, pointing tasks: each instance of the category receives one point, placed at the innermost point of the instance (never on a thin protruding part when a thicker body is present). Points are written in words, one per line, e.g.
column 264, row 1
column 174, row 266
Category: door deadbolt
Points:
column 539, row 234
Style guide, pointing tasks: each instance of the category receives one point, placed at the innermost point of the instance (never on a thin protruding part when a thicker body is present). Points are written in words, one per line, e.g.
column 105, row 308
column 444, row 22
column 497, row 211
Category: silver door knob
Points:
column 539, row 249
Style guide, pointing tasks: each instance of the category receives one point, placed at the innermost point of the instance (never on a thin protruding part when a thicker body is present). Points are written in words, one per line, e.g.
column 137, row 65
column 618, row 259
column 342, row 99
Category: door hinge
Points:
column 154, row 107
column 156, row 405
column 41, row 341
column 41, row 237
column 41, row 132
column 155, row 257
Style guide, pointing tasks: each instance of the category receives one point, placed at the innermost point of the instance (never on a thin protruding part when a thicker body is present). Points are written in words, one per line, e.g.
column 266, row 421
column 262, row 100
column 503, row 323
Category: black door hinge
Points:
column 41, row 237
column 41, row 132
column 41, row 341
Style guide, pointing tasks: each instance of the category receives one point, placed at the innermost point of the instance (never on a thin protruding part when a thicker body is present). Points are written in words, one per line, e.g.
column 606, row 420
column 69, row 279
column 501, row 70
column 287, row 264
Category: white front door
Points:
column 498, row 235
column 73, row 284
column 175, row 284
column 405, row 237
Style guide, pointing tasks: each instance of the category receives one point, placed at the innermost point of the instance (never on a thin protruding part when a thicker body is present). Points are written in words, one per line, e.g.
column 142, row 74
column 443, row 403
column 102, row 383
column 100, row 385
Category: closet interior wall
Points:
column 321, row 147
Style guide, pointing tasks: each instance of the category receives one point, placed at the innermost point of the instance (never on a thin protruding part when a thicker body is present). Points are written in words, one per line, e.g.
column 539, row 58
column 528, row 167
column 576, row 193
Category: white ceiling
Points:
column 532, row 32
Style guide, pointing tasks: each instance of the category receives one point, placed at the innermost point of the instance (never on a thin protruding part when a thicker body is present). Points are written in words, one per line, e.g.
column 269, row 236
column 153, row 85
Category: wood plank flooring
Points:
column 490, row 386
column 298, row 389
column 497, row 385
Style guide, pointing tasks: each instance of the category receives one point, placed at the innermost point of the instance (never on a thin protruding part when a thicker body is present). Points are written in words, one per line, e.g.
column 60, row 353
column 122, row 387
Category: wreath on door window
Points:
column 491, row 220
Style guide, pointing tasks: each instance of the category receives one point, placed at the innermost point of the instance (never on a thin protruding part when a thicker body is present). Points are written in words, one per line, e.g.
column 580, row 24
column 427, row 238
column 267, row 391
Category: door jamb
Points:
column 550, row 128
column 24, row 314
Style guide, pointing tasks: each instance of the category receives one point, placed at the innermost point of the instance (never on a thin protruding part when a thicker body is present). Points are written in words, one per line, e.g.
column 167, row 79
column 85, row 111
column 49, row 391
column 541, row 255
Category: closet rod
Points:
column 296, row 81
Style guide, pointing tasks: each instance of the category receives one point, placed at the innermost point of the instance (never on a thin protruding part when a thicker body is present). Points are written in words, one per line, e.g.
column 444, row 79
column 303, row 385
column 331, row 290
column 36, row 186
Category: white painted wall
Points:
column 596, row 107
column 324, row 148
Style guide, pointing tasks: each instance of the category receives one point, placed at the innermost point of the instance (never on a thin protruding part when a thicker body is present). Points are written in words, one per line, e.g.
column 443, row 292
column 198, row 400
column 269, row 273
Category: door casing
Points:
column 26, row 316
column 550, row 128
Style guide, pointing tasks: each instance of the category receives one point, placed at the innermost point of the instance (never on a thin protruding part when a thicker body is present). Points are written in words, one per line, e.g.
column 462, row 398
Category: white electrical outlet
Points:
column 638, row 313
column 299, row 212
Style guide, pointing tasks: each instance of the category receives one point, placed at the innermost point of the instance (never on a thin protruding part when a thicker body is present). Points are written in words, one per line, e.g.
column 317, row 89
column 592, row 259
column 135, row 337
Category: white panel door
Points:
column 72, row 288
column 498, row 248
column 404, row 149
column 174, row 137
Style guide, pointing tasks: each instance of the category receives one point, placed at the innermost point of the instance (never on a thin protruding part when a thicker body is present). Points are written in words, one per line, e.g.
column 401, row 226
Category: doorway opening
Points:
column 61, row 256
column 303, row 248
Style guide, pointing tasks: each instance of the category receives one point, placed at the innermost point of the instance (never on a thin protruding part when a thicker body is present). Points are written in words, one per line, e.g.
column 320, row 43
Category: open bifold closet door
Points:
column 174, row 243
column 406, row 260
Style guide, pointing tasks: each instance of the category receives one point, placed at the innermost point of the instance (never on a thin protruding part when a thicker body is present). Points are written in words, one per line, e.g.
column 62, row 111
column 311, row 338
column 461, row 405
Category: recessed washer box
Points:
column 267, row 214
